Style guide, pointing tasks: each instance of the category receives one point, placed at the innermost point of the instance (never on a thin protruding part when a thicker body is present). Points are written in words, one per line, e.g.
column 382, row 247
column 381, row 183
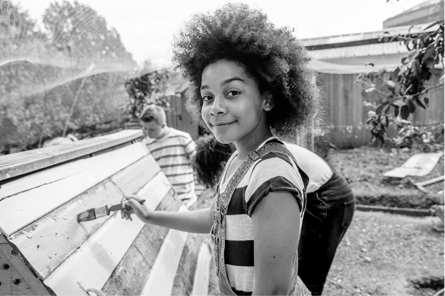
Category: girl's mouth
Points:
column 222, row 124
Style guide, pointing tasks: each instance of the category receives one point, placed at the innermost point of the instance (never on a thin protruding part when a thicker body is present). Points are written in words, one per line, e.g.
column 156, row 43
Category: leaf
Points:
column 404, row 112
column 395, row 74
column 433, row 24
column 429, row 53
column 396, row 111
column 426, row 100
column 370, row 89
column 379, row 109
column 391, row 86
column 404, row 60
column 419, row 102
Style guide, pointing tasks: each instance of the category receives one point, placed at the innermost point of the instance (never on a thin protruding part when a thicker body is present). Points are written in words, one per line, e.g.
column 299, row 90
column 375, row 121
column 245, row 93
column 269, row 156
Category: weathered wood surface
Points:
column 55, row 253
column 17, row 164
column 202, row 276
column 16, row 278
column 136, row 267
column 19, row 210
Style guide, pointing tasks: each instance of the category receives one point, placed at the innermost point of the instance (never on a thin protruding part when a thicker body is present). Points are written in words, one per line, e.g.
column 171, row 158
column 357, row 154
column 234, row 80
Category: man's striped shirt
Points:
column 274, row 172
column 173, row 154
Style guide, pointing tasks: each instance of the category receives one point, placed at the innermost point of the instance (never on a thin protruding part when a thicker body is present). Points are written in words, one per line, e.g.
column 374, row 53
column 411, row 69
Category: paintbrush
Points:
column 99, row 212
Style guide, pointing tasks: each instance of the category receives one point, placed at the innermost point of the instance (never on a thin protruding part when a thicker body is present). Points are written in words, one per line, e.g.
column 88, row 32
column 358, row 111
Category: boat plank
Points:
column 13, row 165
column 24, row 208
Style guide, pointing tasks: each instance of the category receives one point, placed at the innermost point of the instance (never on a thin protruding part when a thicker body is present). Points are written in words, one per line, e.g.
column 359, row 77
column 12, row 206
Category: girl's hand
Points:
column 131, row 205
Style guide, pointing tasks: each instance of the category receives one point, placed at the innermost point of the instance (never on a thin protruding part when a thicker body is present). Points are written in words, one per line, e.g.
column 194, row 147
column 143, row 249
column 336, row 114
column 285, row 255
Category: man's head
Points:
column 153, row 121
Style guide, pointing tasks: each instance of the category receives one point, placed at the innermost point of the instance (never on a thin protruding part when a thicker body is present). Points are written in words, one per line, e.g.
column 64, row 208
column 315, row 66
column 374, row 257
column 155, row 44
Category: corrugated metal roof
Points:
column 346, row 38
column 331, row 68
column 359, row 51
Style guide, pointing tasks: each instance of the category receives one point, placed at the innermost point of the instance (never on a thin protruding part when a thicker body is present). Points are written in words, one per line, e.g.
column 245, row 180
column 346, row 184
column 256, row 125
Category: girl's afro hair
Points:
column 271, row 56
column 209, row 157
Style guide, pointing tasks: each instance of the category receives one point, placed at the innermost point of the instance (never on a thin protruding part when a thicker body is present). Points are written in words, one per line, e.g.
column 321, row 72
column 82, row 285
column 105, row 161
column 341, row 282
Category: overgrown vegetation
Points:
column 396, row 95
column 147, row 87
column 64, row 77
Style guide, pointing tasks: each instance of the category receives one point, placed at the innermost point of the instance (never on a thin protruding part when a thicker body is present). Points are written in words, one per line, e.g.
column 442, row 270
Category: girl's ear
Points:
column 269, row 102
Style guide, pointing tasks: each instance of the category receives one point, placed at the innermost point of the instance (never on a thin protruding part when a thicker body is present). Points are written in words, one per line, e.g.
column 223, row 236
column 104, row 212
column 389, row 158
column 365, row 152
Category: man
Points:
column 173, row 151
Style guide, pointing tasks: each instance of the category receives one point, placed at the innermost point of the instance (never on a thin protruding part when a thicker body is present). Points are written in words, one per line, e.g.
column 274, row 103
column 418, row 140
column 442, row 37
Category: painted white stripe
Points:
column 93, row 263
column 155, row 191
column 163, row 273
column 201, row 280
column 244, row 279
column 22, row 209
column 239, row 228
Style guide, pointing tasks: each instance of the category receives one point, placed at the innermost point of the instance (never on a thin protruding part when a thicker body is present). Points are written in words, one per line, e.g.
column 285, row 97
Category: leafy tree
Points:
column 46, row 79
column 148, row 87
column 397, row 93
column 84, row 34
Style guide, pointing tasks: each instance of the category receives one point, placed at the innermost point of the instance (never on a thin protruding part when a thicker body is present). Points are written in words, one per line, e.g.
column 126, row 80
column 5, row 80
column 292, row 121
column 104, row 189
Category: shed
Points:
column 45, row 251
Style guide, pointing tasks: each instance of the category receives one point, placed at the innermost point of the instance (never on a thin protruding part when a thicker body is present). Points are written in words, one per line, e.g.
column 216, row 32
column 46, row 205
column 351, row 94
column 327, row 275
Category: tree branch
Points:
column 420, row 93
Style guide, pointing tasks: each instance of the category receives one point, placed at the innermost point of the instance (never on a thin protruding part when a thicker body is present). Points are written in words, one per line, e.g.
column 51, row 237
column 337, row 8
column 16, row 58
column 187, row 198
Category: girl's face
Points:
column 233, row 108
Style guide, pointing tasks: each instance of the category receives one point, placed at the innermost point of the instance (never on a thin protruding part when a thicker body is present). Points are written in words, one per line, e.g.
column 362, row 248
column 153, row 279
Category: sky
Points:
column 147, row 27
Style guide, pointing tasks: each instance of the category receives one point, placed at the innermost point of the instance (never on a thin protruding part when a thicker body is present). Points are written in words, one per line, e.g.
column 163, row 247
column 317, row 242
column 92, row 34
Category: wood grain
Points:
column 17, row 164
column 140, row 257
column 202, row 276
column 95, row 260
column 48, row 242
column 24, row 208
column 164, row 269
column 17, row 279
column 185, row 274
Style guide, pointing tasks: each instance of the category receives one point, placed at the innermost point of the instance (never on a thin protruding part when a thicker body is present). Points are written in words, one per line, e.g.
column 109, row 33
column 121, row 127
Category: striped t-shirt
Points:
column 173, row 154
column 274, row 172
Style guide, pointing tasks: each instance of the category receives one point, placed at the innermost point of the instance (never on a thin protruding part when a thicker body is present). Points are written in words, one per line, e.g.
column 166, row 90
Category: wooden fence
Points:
column 179, row 118
column 344, row 114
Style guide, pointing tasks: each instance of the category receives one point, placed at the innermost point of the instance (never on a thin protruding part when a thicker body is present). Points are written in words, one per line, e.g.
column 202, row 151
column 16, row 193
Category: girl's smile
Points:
column 233, row 107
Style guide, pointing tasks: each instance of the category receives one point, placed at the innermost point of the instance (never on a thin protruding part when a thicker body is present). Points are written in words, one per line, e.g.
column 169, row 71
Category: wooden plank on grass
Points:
column 93, row 263
column 163, row 273
column 393, row 210
column 24, row 208
column 17, row 278
column 17, row 164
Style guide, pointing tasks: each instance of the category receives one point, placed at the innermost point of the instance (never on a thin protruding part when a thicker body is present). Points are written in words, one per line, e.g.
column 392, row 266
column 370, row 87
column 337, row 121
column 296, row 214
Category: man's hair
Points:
column 153, row 112
column 271, row 56
column 208, row 158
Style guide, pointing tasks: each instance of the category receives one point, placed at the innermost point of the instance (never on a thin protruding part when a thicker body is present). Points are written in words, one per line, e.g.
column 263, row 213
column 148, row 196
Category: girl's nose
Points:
column 217, row 107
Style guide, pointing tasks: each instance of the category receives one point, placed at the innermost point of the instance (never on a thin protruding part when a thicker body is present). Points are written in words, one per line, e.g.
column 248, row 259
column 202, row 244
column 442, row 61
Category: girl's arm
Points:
column 276, row 227
column 198, row 221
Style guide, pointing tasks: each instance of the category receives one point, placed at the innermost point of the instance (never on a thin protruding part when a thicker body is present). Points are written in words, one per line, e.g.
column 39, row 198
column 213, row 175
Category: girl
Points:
column 248, row 80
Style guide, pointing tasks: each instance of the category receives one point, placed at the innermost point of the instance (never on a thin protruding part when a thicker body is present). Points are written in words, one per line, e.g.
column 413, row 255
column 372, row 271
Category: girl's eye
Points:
column 206, row 98
column 233, row 93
